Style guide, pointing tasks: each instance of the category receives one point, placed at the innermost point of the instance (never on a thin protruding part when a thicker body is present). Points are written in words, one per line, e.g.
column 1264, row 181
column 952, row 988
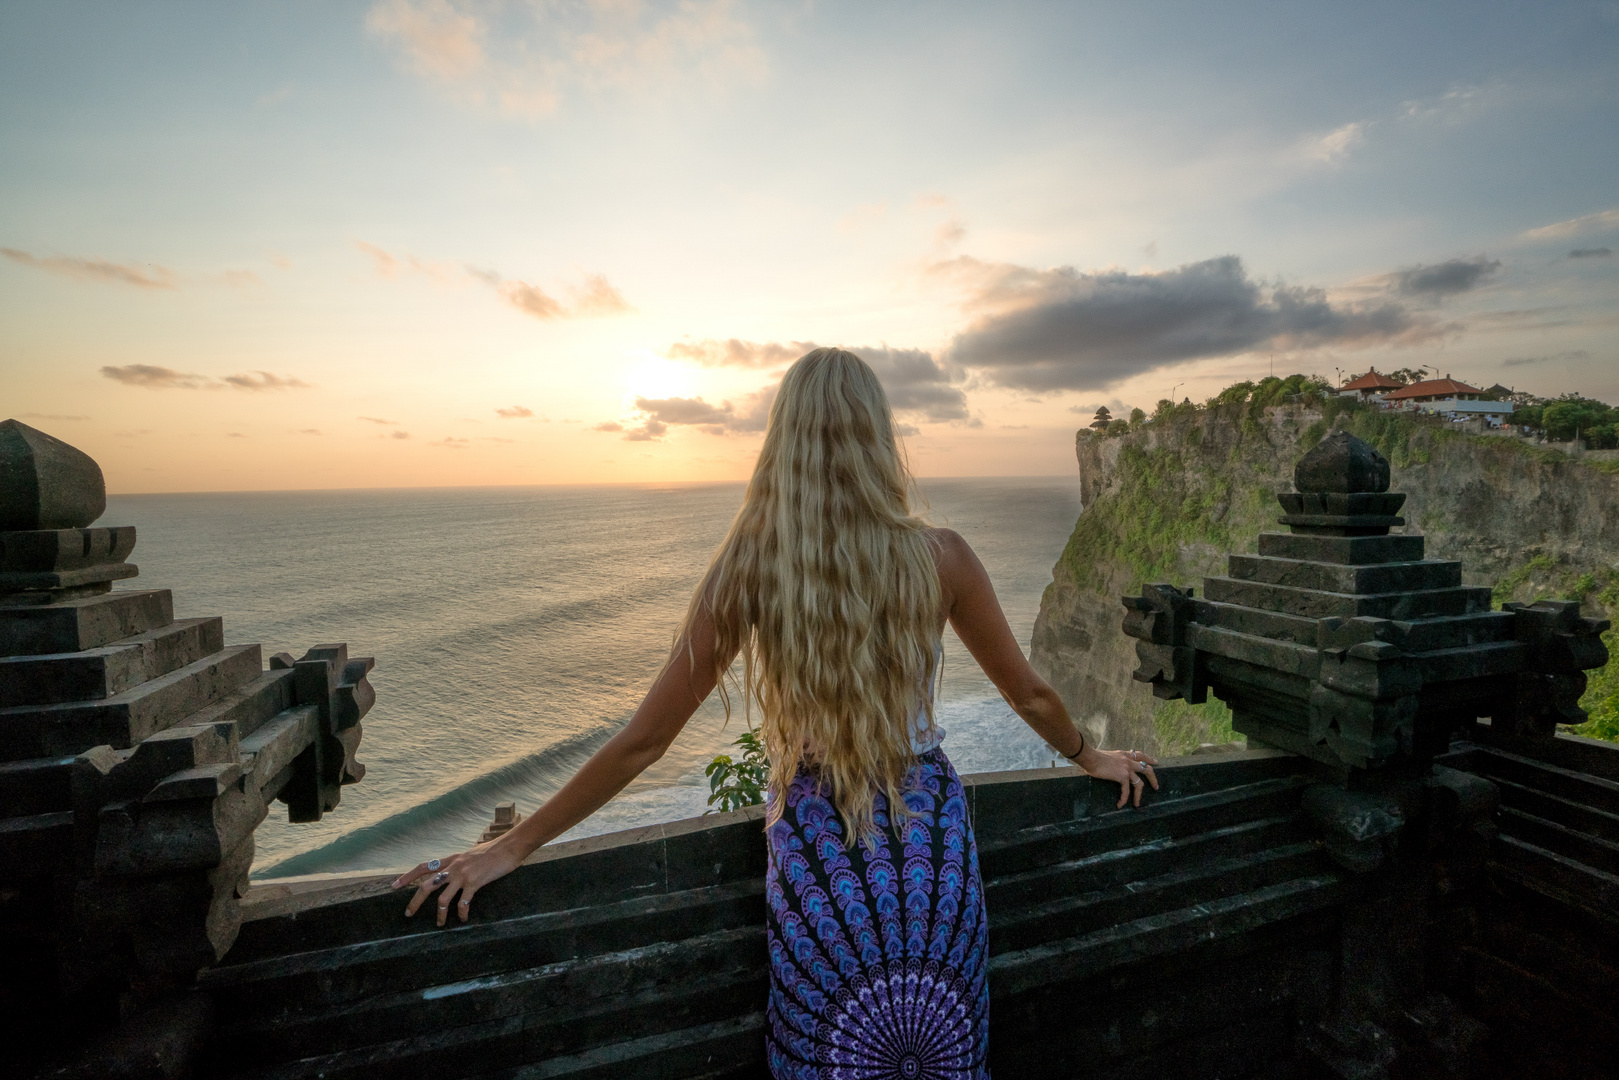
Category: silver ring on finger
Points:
column 434, row 864
column 441, row 877
column 1136, row 780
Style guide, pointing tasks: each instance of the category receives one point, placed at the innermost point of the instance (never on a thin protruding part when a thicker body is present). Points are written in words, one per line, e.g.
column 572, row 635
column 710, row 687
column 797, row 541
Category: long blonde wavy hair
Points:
column 827, row 588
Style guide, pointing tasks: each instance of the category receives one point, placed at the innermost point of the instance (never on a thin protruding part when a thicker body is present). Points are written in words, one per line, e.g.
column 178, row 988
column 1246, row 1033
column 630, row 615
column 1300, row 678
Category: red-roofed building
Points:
column 1434, row 390
column 1449, row 397
column 1370, row 386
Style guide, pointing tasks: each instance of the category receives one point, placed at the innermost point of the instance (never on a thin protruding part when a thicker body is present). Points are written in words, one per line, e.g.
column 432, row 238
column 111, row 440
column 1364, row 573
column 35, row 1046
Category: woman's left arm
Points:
column 682, row 686
column 976, row 615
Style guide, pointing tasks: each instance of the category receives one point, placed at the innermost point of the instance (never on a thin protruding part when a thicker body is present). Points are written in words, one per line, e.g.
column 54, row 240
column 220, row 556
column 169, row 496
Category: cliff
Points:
column 1169, row 499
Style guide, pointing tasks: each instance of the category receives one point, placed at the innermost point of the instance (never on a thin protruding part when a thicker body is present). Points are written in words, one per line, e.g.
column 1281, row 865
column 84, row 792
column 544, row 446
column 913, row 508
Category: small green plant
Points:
column 734, row 784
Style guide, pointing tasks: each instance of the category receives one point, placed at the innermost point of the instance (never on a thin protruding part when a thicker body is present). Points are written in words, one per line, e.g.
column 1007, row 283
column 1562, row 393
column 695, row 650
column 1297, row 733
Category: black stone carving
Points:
column 138, row 752
column 45, row 483
column 1339, row 641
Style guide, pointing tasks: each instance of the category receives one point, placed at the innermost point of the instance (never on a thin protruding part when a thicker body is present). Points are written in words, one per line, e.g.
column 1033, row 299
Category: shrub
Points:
column 734, row 784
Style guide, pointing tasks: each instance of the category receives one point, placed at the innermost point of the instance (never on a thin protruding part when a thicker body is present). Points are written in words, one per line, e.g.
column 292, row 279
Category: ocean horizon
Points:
column 517, row 628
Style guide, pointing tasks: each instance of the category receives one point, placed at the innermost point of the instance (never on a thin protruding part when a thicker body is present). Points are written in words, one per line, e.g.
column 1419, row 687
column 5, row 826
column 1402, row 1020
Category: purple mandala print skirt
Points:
column 879, row 960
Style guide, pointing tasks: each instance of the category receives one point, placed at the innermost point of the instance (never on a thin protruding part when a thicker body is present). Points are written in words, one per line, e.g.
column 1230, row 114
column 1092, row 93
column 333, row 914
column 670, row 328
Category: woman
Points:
column 836, row 596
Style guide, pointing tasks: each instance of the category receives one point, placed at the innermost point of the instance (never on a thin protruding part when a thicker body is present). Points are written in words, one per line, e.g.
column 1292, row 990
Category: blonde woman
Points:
column 835, row 596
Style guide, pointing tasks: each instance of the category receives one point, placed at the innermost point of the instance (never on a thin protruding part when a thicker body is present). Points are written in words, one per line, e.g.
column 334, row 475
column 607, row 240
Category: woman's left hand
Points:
column 464, row 874
column 1130, row 769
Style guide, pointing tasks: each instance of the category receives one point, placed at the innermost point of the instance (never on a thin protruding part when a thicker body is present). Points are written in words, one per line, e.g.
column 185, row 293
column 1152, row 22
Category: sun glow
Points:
column 651, row 376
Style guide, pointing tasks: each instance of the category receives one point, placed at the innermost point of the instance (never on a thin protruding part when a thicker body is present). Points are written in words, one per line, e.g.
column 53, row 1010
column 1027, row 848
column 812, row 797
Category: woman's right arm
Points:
column 682, row 686
column 978, row 620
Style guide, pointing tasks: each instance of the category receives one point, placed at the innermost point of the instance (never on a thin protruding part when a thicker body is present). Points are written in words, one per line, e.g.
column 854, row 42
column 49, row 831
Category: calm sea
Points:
column 515, row 629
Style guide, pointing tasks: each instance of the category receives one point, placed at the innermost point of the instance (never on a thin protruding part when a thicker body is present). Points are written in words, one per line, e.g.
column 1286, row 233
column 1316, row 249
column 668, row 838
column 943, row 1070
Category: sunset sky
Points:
column 443, row 242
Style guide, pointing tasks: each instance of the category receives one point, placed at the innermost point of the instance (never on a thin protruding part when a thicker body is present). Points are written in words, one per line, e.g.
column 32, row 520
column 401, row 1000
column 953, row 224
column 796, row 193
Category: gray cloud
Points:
column 156, row 377
column 153, row 377
column 379, row 420
column 734, row 352
column 263, row 380
column 1523, row 361
column 914, row 380
column 1591, row 253
column 516, row 412
column 1447, row 278
column 143, row 276
column 1065, row 330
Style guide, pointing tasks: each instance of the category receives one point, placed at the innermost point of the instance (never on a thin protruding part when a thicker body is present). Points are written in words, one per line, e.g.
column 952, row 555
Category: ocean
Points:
column 515, row 629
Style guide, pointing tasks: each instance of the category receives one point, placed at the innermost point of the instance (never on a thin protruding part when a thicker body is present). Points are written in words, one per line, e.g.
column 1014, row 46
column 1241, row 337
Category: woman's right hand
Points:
column 465, row 874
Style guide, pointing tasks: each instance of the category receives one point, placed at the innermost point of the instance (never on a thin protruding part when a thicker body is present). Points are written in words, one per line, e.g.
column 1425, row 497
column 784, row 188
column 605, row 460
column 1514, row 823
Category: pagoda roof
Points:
column 1432, row 388
column 1372, row 381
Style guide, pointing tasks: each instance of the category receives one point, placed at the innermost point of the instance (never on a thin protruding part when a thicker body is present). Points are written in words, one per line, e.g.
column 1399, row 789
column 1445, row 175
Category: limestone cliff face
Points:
column 1169, row 500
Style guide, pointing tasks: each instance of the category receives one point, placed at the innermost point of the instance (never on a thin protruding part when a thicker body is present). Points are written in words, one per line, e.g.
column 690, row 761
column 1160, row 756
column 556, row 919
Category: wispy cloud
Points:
column 593, row 296
column 264, row 380
column 398, row 435
column 52, row 416
column 1603, row 219
column 1336, row 145
column 525, row 60
column 516, row 412
column 734, row 352
column 1550, row 358
column 1591, row 253
column 1063, row 329
column 379, row 420
column 140, row 275
column 156, row 377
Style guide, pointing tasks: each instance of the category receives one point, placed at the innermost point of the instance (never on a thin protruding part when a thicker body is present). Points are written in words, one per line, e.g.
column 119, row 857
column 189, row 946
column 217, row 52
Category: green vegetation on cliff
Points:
column 1169, row 498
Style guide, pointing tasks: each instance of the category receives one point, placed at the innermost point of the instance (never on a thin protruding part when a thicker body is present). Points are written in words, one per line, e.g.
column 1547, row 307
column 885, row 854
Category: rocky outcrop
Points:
column 1167, row 501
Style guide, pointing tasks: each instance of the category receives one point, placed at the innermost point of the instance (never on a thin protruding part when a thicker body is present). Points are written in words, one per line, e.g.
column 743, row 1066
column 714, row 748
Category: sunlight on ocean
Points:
column 515, row 629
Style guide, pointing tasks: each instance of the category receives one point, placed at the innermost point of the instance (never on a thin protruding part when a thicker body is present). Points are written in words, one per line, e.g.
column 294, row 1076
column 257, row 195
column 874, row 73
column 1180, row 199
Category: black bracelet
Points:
column 1074, row 757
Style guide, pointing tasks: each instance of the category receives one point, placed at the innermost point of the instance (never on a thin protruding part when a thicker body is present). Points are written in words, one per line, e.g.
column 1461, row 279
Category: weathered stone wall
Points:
column 1168, row 501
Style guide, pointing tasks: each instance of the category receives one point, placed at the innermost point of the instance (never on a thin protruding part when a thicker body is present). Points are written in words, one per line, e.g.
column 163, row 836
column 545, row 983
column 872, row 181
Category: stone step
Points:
column 320, row 978
column 1353, row 550
column 1049, row 844
column 101, row 672
column 654, row 860
column 1551, row 874
column 37, row 845
column 1568, row 784
column 1346, row 578
column 568, row 1007
column 1097, row 909
column 1571, row 843
column 1135, row 863
column 726, row 1049
column 274, row 745
column 1276, row 625
column 120, row 721
column 1565, row 812
column 1172, row 931
column 1585, row 965
column 1313, row 604
column 36, row 786
column 86, row 623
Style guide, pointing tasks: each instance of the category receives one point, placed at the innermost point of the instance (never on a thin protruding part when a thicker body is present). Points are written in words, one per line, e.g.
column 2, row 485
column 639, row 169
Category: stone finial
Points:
column 45, row 483
column 1344, row 464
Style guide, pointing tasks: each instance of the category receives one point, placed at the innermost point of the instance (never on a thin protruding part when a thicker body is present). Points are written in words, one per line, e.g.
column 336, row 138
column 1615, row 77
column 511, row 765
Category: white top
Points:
column 925, row 736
